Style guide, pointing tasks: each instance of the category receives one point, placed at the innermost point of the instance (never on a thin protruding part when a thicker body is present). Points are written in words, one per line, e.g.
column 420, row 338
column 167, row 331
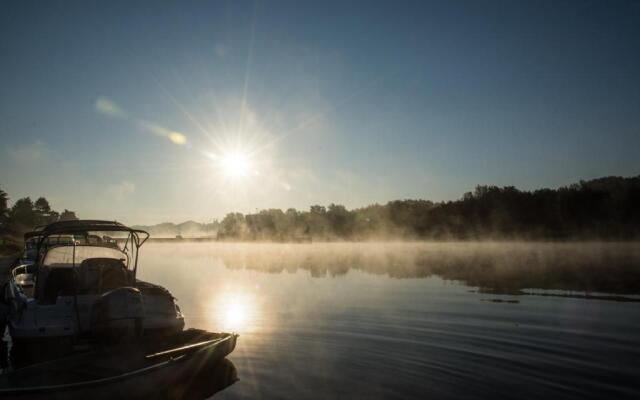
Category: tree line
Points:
column 604, row 208
column 24, row 215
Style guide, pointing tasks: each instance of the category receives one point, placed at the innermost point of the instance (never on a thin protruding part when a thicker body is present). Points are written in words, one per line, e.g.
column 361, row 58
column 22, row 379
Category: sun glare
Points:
column 235, row 316
column 234, row 311
column 235, row 165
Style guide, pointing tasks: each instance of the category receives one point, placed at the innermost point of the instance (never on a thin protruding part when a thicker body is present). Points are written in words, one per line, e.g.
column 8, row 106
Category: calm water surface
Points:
column 414, row 320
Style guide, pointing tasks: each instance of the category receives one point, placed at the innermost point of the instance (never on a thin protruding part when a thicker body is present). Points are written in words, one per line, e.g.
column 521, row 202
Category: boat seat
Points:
column 60, row 282
column 114, row 278
column 98, row 275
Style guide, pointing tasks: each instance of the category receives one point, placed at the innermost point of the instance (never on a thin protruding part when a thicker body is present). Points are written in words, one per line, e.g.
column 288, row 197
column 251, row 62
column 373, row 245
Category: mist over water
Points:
column 415, row 320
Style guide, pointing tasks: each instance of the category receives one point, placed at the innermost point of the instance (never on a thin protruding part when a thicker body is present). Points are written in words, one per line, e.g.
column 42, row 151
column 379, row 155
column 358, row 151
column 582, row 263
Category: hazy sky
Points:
column 150, row 111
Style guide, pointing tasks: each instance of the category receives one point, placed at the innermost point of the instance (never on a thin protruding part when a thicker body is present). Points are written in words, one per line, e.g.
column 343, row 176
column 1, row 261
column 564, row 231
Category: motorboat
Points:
column 23, row 276
column 86, row 297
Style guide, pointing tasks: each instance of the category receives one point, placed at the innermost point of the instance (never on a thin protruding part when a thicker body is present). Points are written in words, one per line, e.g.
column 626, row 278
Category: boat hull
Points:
column 171, row 373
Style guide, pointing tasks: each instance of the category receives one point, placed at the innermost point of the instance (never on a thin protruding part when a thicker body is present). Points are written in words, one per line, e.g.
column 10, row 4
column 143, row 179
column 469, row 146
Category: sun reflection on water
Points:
column 234, row 311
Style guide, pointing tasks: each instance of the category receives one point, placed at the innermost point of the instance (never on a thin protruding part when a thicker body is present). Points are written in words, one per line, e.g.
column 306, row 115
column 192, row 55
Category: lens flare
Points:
column 108, row 107
column 177, row 138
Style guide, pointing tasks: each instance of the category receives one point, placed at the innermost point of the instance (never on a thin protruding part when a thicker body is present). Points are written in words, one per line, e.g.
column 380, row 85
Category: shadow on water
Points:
column 208, row 381
column 205, row 382
column 602, row 271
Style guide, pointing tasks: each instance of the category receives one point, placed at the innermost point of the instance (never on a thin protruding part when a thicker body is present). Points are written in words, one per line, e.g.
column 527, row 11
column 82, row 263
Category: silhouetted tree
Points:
column 67, row 215
column 232, row 226
column 600, row 208
column 4, row 211
column 45, row 215
column 341, row 221
column 23, row 216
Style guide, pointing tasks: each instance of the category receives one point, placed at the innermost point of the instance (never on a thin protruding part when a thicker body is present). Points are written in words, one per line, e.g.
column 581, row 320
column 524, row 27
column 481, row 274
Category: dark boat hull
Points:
column 172, row 372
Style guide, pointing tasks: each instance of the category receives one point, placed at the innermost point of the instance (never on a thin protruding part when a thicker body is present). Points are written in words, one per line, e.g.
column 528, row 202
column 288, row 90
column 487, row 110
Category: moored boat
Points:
column 90, row 328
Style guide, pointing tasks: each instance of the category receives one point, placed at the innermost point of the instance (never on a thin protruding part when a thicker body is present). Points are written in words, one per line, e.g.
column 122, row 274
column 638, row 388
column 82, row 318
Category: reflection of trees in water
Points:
column 495, row 267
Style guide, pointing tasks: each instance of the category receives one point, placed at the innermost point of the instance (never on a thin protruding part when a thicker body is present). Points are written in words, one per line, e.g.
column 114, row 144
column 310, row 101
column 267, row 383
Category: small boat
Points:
column 22, row 271
column 23, row 277
column 172, row 367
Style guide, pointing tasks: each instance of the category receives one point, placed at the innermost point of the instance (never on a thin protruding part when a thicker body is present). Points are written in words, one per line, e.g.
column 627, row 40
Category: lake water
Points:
column 415, row 320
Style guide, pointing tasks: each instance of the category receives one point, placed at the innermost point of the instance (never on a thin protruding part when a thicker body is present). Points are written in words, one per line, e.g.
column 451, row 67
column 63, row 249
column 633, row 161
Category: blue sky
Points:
column 345, row 102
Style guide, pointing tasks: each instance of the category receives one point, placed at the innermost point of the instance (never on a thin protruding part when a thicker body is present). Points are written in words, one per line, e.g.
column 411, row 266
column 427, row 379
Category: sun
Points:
column 235, row 165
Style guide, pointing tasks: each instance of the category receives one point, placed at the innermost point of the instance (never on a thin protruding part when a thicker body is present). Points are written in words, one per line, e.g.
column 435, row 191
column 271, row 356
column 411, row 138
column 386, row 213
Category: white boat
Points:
column 22, row 272
column 85, row 294
column 23, row 276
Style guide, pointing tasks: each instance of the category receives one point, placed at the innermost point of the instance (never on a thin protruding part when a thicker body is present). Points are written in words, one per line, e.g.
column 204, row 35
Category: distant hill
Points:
column 187, row 229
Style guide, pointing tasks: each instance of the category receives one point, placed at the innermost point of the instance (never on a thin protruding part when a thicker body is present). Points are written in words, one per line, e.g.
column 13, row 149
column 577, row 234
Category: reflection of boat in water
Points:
column 189, row 364
column 86, row 298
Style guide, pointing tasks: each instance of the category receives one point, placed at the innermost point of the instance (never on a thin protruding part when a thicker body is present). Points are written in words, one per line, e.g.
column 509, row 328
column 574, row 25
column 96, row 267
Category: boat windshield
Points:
column 69, row 256
column 31, row 245
column 52, row 240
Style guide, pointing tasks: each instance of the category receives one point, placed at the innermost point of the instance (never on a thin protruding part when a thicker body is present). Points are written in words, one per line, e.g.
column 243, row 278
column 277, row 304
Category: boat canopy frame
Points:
column 137, row 237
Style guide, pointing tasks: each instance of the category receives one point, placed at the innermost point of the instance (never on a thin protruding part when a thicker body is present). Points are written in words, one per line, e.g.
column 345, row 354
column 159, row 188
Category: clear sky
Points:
column 151, row 111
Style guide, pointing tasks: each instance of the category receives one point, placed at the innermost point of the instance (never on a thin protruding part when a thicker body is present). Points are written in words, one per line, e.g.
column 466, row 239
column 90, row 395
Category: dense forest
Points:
column 23, row 216
column 605, row 208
